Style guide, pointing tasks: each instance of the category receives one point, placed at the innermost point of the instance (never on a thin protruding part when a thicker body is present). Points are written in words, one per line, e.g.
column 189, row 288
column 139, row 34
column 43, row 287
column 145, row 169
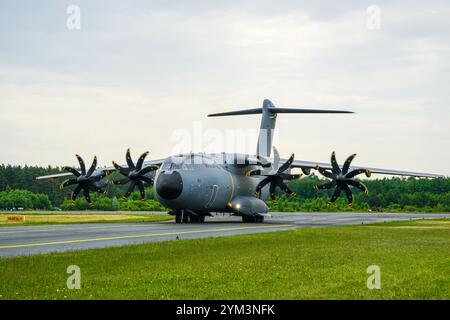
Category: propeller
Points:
column 135, row 175
column 86, row 181
column 276, row 177
column 342, row 179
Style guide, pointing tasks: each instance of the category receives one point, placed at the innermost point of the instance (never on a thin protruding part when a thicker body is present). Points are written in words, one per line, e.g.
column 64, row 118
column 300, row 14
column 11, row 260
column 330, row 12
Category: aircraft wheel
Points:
column 201, row 219
column 178, row 218
column 194, row 219
column 186, row 218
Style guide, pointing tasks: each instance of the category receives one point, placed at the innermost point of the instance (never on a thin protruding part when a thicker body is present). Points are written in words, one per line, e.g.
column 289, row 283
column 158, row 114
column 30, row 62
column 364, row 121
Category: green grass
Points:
column 33, row 219
column 319, row 263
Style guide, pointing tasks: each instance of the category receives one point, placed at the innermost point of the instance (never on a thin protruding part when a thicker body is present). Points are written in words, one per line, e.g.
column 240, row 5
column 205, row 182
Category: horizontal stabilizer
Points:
column 289, row 110
column 237, row 113
column 274, row 110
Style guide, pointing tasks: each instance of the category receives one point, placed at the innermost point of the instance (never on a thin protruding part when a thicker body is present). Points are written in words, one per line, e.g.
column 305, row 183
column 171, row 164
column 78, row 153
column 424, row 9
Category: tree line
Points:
column 388, row 194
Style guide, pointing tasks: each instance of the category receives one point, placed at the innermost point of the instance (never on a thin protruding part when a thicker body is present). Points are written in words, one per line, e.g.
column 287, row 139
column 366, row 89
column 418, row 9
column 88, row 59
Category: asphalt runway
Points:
column 30, row 240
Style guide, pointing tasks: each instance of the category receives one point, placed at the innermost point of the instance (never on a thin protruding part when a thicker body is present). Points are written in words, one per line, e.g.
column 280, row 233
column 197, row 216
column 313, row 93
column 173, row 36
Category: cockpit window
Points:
column 189, row 162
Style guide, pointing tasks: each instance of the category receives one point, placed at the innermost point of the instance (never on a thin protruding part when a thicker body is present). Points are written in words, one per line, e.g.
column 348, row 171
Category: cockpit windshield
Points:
column 188, row 162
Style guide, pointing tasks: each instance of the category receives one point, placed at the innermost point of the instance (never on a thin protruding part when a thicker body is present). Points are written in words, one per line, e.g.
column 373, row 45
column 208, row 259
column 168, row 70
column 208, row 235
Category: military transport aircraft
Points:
column 195, row 185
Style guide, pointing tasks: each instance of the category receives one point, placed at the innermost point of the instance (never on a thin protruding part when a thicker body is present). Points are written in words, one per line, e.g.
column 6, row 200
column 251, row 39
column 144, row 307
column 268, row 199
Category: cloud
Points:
column 134, row 73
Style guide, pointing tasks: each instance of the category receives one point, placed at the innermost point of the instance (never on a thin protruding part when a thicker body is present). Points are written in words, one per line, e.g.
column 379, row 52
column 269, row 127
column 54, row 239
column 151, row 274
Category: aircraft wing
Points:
column 110, row 169
column 312, row 165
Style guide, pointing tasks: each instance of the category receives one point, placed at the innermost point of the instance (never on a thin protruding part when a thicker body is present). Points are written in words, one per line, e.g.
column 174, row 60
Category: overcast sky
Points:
column 137, row 73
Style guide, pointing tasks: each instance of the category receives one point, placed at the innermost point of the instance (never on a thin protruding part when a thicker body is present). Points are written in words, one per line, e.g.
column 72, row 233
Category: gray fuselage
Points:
column 206, row 183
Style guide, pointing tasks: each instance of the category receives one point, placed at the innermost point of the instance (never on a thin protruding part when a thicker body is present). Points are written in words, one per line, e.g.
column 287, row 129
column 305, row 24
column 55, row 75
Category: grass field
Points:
column 319, row 263
column 54, row 218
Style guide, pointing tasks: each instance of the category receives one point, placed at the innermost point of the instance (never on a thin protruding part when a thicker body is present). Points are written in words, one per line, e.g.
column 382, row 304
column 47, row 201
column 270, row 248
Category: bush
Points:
column 138, row 205
column 108, row 204
column 24, row 199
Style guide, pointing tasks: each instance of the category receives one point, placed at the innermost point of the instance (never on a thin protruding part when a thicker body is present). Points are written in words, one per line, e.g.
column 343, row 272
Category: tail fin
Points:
column 269, row 116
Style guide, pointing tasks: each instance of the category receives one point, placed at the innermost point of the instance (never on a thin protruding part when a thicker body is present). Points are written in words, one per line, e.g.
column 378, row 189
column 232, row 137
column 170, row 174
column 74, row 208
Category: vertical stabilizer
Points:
column 266, row 130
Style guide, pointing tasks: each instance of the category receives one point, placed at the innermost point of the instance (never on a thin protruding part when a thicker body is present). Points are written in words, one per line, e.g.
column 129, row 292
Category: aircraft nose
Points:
column 169, row 185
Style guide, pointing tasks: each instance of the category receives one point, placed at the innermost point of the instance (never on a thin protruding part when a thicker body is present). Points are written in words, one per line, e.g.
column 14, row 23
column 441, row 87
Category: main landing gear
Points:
column 253, row 219
column 188, row 217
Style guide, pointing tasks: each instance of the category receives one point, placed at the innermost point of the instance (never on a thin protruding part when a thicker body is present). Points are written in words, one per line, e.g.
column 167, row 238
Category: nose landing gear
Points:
column 184, row 216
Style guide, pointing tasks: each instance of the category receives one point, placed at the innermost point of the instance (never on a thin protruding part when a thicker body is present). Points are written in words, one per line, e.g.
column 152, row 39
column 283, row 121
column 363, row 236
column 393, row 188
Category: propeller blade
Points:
column 347, row 163
column 130, row 189
column 148, row 169
column 359, row 185
column 146, row 179
column 86, row 194
column 336, row 194
column 122, row 170
column 356, row 172
column 121, row 181
column 326, row 186
column 129, row 160
column 287, row 164
column 72, row 171
column 325, row 173
column 261, row 185
column 140, row 185
column 68, row 182
column 82, row 165
column 272, row 191
column 92, row 168
column 141, row 160
column 348, row 193
column 75, row 193
column 98, row 177
column 334, row 164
